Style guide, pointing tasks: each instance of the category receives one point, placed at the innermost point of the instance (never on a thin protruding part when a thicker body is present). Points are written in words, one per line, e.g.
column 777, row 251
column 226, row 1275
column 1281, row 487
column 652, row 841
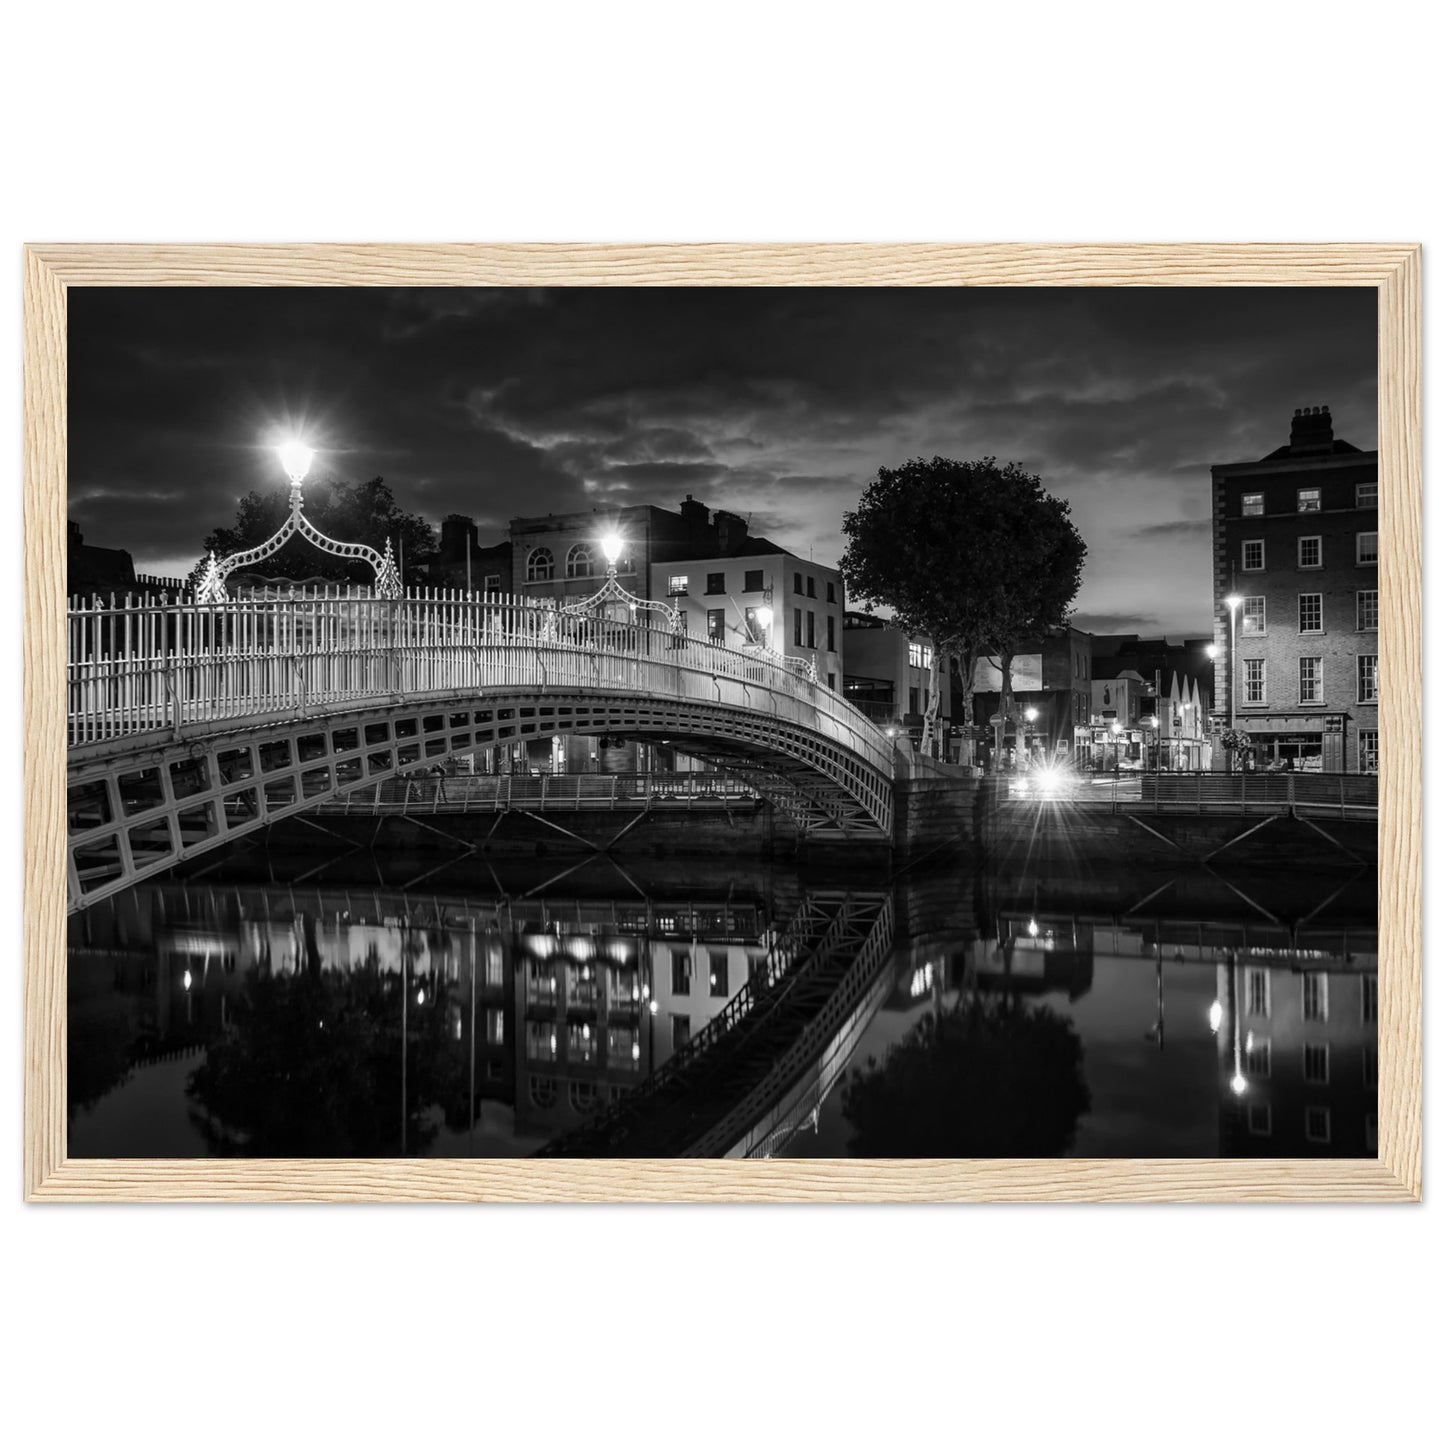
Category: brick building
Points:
column 1295, row 540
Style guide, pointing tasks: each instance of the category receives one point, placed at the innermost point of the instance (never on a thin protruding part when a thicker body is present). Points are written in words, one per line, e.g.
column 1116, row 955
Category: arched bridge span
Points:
column 192, row 725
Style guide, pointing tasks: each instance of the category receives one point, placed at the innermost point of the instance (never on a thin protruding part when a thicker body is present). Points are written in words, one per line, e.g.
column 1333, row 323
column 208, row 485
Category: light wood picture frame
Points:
column 1393, row 270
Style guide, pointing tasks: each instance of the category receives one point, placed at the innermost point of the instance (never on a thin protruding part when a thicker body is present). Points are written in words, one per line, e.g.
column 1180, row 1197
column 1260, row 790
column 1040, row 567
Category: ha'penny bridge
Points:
column 193, row 723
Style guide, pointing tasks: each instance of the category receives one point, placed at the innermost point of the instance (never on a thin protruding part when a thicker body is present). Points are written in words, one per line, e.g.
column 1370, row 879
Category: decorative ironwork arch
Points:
column 212, row 585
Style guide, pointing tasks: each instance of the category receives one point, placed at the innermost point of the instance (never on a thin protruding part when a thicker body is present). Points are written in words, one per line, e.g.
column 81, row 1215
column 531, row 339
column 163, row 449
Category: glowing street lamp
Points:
column 1232, row 602
column 1031, row 714
column 611, row 545
column 295, row 460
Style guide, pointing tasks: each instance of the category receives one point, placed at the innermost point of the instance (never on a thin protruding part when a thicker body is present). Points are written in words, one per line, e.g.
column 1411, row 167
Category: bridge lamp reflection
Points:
column 1239, row 1083
column 652, row 1007
column 1033, row 928
column 296, row 460
column 1216, row 1016
column 186, row 980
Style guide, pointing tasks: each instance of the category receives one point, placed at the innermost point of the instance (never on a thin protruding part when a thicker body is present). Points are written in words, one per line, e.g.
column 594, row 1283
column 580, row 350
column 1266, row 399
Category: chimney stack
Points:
column 1311, row 430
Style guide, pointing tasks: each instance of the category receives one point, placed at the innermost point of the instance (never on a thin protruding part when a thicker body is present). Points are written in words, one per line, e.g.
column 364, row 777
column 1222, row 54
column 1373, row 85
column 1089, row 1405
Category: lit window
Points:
column 716, row 625
column 1256, row 1058
column 542, row 1041
column 1367, row 667
column 1367, row 494
column 1369, row 999
column 1252, row 558
column 1252, row 615
column 1315, row 997
column 1307, row 499
column 1251, row 504
column 755, row 629
column 539, row 564
column 581, row 1043
column 1317, row 1063
column 915, row 654
column 1367, row 548
column 1369, row 752
column 1261, row 1121
column 1311, row 679
column 717, row 974
column 495, row 1026
column 624, row 1050
column 1254, row 680
column 1317, row 1124
column 1311, row 612
column 677, row 585
column 1367, row 611
column 1311, row 552
column 1257, row 993
column 579, row 560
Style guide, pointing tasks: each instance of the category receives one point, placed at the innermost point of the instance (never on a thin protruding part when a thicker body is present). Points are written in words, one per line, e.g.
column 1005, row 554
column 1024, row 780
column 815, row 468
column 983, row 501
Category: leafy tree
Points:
column 346, row 511
column 991, row 1079
column 975, row 555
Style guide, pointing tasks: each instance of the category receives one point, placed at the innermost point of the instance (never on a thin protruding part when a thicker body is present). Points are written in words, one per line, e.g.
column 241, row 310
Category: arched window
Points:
column 542, row 1091
column 579, row 561
column 539, row 564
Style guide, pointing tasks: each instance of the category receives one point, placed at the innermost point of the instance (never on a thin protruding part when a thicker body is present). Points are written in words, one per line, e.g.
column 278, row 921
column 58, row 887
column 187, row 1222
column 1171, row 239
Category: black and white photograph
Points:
column 730, row 722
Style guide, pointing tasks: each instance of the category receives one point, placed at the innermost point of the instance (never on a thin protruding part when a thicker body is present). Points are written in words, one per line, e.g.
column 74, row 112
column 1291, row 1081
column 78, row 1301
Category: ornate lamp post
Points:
column 296, row 460
column 612, row 602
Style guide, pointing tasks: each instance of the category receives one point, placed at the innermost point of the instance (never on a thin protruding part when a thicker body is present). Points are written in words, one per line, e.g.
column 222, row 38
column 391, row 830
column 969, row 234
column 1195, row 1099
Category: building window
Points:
column 832, row 682
column 681, row 1030
column 579, row 560
column 677, row 585
column 1369, row 999
column 1252, row 615
column 716, row 583
column 1307, row 499
column 832, row 592
column 539, row 564
column 716, row 626
column 542, row 1091
column 1367, row 494
column 754, row 627
column 753, row 581
column 492, row 582
column 1317, row 1124
column 1311, row 612
column 915, row 654
column 1254, row 681
column 1371, row 1066
column 798, row 583
column 495, row 1024
column 832, row 635
column 681, row 973
column 1256, row 1057
column 1317, row 1063
column 1315, row 997
column 797, row 627
column 1252, row 557
column 541, row 1042
column 624, row 1049
column 717, row 974
column 582, row 1095
column 1367, row 611
column 1311, row 679
column 812, row 636
column 1367, row 548
column 1261, row 1121
column 581, row 1044
column 1256, row 992
column 1311, row 553
column 1367, row 667
column 812, row 587
column 1369, row 751
column 913, row 700
column 1251, row 504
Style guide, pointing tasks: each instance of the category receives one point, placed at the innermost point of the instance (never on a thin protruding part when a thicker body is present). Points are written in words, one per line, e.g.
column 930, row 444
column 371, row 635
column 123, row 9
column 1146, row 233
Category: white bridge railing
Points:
column 139, row 666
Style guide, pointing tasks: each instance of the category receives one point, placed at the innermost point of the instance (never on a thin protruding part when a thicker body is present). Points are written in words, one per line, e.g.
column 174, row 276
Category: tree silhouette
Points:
column 990, row 1079
column 312, row 1067
column 346, row 511
column 975, row 555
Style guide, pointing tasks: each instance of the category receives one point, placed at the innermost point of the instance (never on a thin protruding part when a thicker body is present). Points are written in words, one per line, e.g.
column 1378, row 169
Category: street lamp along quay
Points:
column 1232, row 601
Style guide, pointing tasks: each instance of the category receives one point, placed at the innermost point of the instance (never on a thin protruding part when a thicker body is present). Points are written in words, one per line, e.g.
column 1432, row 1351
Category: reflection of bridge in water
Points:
column 193, row 724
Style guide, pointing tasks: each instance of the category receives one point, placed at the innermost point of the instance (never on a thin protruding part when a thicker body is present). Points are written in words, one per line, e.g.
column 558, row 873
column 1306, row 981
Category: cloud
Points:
column 781, row 403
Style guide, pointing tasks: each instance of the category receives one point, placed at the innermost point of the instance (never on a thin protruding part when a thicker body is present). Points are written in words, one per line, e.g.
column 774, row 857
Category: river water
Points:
column 498, row 1006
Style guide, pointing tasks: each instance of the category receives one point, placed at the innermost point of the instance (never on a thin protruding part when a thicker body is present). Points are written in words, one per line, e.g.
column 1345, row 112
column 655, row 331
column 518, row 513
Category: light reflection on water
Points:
column 335, row 1021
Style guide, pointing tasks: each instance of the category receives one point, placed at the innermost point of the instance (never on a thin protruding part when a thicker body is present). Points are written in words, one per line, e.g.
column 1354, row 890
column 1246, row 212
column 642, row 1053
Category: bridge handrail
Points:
column 138, row 664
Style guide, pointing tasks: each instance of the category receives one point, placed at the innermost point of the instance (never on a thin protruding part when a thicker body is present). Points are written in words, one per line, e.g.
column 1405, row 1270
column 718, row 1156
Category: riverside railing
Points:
column 138, row 665
column 579, row 792
column 1339, row 795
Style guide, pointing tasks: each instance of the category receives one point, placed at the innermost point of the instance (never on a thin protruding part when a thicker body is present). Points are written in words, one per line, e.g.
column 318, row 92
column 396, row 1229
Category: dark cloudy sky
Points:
column 778, row 403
